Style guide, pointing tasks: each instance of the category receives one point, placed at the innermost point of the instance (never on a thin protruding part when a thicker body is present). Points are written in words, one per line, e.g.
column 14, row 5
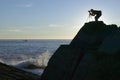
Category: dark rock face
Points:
column 92, row 34
column 63, row 64
column 88, row 57
column 111, row 44
column 12, row 73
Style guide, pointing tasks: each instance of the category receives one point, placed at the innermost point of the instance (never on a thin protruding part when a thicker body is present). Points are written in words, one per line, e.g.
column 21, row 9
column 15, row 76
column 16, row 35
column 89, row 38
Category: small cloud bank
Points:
column 26, row 5
column 55, row 25
column 14, row 30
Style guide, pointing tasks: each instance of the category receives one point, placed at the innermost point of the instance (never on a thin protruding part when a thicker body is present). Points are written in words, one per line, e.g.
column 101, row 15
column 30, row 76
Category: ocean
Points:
column 22, row 53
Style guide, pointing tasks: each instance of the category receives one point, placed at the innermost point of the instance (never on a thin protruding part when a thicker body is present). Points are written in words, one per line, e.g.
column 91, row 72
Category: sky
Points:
column 51, row 19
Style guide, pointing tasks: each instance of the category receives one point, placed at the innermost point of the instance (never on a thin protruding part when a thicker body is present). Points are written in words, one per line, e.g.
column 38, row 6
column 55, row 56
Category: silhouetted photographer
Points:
column 96, row 13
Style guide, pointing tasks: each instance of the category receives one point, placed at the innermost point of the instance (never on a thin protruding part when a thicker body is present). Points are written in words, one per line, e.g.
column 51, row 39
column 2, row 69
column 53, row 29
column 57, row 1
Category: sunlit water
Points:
column 21, row 53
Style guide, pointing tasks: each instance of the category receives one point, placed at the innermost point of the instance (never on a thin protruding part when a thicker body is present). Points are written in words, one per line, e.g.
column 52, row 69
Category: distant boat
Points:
column 25, row 40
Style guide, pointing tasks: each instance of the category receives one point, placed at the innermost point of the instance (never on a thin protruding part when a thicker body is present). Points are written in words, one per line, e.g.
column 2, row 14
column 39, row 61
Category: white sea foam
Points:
column 43, row 59
column 40, row 61
column 1, row 61
column 35, row 71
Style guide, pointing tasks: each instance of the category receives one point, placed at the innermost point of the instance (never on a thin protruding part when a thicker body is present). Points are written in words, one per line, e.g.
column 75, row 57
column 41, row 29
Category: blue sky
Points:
column 51, row 19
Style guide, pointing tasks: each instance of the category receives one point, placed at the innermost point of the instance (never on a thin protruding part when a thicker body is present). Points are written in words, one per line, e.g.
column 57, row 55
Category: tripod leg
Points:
column 87, row 19
column 91, row 18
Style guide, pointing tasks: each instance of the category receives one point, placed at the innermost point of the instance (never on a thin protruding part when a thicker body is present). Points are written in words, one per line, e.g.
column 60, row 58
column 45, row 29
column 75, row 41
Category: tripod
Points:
column 89, row 18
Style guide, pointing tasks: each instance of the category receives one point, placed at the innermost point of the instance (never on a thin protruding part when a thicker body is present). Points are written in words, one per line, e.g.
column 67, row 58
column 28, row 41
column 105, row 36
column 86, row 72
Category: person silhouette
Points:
column 96, row 13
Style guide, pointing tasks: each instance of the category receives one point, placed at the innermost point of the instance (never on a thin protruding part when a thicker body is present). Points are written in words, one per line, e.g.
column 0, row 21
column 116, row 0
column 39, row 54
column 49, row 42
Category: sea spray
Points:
column 43, row 59
column 40, row 61
column 1, row 61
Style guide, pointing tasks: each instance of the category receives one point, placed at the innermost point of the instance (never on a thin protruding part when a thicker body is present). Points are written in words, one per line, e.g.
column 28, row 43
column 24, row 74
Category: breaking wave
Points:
column 40, row 60
column 35, row 65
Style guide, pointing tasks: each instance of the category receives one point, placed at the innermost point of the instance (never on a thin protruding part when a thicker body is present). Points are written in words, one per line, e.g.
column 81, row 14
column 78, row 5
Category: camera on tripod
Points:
column 90, row 13
column 89, row 18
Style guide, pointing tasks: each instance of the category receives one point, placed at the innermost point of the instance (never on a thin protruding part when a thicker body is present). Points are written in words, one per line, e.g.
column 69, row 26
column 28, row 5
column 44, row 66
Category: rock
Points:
column 11, row 73
column 107, row 67
column 32, row 66
column 89, row 56
column 62, row 64
column 92, row 34
column 111, row 44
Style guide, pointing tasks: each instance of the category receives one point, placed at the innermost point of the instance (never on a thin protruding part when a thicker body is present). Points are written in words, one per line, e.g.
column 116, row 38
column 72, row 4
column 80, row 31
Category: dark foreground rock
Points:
column 32, row 66
column 12, row 73
column 63, row 64
column 89, row 56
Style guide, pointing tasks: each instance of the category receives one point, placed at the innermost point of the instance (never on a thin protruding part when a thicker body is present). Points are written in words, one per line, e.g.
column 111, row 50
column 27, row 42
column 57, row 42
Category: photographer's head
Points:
column 91, row 10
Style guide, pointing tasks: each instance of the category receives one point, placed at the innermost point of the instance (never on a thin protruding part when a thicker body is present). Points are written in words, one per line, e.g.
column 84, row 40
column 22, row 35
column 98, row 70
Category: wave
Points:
column 35, row 65
column 40, row 60
column 1, row 61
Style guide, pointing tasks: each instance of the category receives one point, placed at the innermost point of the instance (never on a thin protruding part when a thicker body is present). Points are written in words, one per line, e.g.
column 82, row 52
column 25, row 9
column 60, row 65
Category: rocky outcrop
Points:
column 111, row 44
column 12, row 73
column 89, row 56
column 62, row 64
column 92, row 34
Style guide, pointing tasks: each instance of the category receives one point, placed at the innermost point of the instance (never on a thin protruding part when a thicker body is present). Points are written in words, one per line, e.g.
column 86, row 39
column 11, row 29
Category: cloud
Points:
column 14, row 30
column 55, row 25
column 28, row 5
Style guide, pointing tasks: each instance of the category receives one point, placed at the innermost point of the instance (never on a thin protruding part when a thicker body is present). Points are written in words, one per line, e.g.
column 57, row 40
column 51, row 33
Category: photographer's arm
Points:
column 92, row 14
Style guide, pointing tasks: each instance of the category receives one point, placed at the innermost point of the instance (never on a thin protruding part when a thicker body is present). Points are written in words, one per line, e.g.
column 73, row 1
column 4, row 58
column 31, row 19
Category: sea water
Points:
column 21, row 53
